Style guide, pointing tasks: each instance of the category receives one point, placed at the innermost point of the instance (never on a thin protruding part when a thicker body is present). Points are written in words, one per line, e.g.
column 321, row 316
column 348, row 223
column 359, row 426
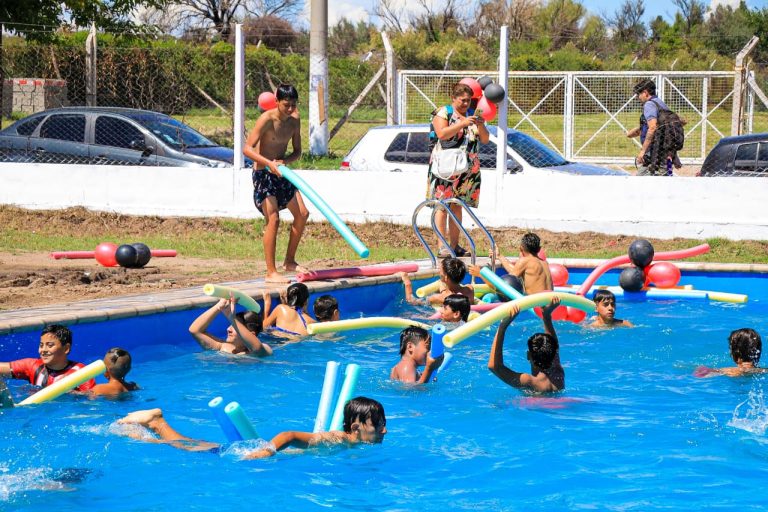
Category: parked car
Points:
column 742, row 155
column 405, row 148
column 109, row 136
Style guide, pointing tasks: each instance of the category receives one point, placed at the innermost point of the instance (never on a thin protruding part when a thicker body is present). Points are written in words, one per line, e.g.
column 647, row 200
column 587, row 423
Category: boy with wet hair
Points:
column 53, row 364
column 326, row 308
column 414, row 352
column 605, row 302
column 547, row 374
column 364, row 422
column 118, row 363
column 745, row 346
column 452, row 273
column 532, row 270
column 455, row 308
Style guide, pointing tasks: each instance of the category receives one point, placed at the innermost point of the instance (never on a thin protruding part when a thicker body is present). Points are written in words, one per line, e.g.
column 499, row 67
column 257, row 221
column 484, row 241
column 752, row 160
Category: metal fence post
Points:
column 568, row 116
column 239, row 110
column 704, row 115
column 90, row 68
column 390, row 87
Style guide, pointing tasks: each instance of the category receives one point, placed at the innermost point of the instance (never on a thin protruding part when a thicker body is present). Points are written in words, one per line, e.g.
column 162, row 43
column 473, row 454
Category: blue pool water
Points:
column 636, row 430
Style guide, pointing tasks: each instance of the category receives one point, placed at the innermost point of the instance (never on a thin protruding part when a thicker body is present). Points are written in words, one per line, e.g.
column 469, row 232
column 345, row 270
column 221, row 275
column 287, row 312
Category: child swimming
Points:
column 118, row 363
column 289, row 318
column 242, row 333
column 605, row 302
column 530, row 268
column 452, row 273
column 746, row 347
column 414, row 352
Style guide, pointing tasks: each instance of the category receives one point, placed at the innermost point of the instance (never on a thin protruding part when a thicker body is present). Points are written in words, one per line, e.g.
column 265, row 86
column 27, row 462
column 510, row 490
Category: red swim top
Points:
column 37, row 373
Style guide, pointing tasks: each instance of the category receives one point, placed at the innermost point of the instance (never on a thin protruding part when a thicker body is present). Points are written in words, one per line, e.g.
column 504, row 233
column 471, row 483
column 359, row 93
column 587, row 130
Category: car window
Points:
column 762, row 158
column 396, row 150
column 28, row 125
column 174, row 133
column 64, row 127
column 533, row 151
column 111, row 131
column 746, row 154
column 418, row 148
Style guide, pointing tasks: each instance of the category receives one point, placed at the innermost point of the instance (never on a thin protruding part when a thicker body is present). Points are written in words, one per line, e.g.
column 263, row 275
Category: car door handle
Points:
column 396, row 170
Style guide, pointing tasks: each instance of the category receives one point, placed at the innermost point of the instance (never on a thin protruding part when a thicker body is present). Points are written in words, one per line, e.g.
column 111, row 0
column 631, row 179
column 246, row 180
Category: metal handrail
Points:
column 479, row 224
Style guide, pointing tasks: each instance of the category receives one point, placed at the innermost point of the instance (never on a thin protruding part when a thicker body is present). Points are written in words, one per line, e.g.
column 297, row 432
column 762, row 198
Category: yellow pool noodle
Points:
column 364, row 323
column 224, row 292
column 427, row 289
column 530, row 301
column 736, row 298
column 65, row 384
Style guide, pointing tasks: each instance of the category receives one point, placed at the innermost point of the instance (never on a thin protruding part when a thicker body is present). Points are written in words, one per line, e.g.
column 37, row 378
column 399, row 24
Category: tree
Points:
column 729, row 29
column 594, row 35
column 560, row 20
column 627, row 22
column 345, row 38
column 517, row 15
column 434, row 21
column 691, row 12
column 276, row 33
column 392, row 15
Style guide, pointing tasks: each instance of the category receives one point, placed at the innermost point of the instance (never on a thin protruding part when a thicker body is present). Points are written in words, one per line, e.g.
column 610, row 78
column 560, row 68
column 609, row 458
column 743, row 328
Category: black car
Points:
column 109, row 136
column 742, row 155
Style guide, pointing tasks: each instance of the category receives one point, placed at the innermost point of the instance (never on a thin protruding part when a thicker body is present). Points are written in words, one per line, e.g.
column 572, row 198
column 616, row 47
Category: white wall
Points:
column 658, row 207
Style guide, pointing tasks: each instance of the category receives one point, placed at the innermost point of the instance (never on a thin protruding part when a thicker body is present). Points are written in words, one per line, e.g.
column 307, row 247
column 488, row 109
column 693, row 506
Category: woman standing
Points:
column 453, row 128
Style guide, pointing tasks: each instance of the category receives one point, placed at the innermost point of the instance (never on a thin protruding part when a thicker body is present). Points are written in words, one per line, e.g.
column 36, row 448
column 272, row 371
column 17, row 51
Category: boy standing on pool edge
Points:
column 266, row 146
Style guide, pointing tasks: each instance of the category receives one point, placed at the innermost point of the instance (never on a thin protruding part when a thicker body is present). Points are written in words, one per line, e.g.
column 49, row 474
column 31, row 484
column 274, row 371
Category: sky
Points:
column 355, row 10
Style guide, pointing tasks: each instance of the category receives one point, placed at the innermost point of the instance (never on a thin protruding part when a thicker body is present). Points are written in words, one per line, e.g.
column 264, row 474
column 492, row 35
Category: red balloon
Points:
column 576, row 315
column 559, row 274
column 267, row 101
column 560, row 312
column 664, row 274
column 473, row 84
column 543, row 254
column 105, row 254
column 488, row 109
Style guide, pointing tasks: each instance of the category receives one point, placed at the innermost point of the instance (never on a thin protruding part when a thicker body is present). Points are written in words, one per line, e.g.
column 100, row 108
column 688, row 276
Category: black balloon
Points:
column 512, row 281
column 126, row 256
column 484, row 81
column 632, row 279
column 143, row 254
column 494, row 93
column 641, row 253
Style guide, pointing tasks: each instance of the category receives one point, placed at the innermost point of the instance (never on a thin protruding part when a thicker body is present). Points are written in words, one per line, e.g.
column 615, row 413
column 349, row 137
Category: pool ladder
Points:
column 445, row 205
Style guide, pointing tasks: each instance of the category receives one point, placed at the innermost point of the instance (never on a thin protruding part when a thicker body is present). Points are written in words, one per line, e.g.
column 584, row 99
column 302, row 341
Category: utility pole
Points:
column 318, row 78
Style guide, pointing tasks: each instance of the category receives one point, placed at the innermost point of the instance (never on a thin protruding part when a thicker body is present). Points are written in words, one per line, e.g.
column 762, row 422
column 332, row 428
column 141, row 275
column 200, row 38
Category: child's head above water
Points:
column 118, row 362
column 326, row 308
column 297, row 295
column 746, row 346
column 542, row 349
column 531, row 243
column 412, row 335
column 252, row 321
column 455, row 307
column 605, row 301
column 361, row 409
column 454, row 269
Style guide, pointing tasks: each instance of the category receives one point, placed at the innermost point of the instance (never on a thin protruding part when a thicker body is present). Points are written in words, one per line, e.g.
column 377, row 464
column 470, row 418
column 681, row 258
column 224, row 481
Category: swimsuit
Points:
column 286, row 331
column 37, row 373
column 266, row 184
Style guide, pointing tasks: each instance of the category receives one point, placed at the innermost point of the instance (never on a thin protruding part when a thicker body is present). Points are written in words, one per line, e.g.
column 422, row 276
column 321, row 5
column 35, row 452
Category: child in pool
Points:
column 605, row 302
column 547, row 374
column 242, row 333
column 452, row 273
column 414, row 352
column 532, row 270
column 745, row 346
column 364, row 422
column 289, row 318
column 118, row 363
column 455, row 309
column 326, row 308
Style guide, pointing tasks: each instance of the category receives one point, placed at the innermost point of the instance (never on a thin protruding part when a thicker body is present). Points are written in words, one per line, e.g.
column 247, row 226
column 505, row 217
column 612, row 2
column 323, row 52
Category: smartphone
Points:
column 478, row 112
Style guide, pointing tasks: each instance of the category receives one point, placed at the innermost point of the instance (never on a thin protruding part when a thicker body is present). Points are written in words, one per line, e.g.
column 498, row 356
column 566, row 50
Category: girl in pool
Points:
column 289, row 318
column 242, row 333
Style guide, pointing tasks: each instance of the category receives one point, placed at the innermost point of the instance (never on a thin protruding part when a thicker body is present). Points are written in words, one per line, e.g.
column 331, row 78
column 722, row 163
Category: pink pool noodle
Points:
column 371, row 271
column 86, row 255
column 622, row 260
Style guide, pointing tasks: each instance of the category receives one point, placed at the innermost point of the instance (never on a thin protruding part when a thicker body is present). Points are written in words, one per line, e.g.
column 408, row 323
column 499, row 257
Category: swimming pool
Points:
column 636, row 432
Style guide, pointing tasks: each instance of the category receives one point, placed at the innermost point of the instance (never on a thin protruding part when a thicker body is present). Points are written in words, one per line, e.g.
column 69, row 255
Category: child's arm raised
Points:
column 270, row 317
column 198, row 328
column 250, row 340
column 496, row 357
column 408, row 285
column 546, row 317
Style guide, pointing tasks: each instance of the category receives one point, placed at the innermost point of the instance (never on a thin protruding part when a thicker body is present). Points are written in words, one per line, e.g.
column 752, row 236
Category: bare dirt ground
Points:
column 30, row 279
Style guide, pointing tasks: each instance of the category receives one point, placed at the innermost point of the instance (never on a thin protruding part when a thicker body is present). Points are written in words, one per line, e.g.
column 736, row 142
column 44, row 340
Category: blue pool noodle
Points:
column 437, row 349
column 351, row 374
column 326, row 210
column 447, row 360
column 217, row 408
column 323, row 418
column 503, row 287
column 240, row 421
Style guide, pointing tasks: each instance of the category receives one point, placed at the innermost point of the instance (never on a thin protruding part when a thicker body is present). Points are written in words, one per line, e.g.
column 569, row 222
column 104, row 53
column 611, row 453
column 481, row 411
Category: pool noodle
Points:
column 447, row 360
column 437, row 349
column 498, row 283
column 240, row 421
column 351, row 374
column 428, row 289
column 224, row 292
column 368, row 271
column 216, row 406
column 326, row 210
column 363, row 323
column 88, row 255
column 323, row 418
column 525, row 303
column 65, row 384
column 664, row 293
column 622, row 260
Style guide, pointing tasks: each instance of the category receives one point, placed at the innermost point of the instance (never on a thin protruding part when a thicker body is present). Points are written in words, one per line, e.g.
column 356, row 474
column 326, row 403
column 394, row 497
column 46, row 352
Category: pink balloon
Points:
column 664, row 274
column 559, row 274
column 488, row 109
column 473, row 84
column 105, row 254
column 267, row 101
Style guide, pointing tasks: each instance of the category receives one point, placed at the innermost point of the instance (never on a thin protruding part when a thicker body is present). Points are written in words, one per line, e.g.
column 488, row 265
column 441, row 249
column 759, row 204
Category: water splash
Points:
column 752, row 414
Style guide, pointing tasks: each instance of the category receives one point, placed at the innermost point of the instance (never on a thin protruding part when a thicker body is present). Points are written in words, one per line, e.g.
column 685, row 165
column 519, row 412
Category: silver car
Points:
column 405, row 148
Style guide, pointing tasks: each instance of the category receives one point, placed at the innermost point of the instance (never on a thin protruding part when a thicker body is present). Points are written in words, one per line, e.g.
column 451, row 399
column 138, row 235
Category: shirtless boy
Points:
column 746, row 347
column 118, row 363
column 414, row 352
column 266, row 146
column 605, row 303
column 532, row 270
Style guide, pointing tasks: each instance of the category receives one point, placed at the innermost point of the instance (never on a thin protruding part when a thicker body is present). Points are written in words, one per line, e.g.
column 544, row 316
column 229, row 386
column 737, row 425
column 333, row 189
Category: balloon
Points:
column 143, row 254
column 267, row 101
column 126, row 256
column 542, row 254
column 105, row 254
column 641, row 253
column 576, row 315
column 488, row 109
column 560, row 313
column 473, row 84
column 664, row 274
column 512, row 281
column 559, row 274
column 494, row 93
column 632, row 279
column 490, row 298
column 484, row 81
